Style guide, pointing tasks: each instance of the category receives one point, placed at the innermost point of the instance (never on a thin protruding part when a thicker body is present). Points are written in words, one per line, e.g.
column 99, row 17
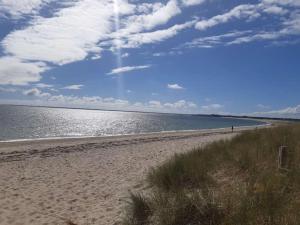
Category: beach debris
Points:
column 70, row 222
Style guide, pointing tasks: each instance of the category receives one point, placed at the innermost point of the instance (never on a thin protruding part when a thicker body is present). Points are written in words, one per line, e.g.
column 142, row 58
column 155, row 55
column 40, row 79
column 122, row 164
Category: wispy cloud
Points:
column 289, row 112
column 169, row 53
column 238, row 12
column 126, row 69
column 175, row 87
column 181, row 104
column 124, row 55
column 287, row 33
column 213, row 41
column 156, row 14
column 243, row 11
column 289, row 25
column 274, row 9
column 212, row 108
column 138, row 39
column 42, row 85
column 262, row 106
column 192, row 2
column 9, row 90
column 73, row 87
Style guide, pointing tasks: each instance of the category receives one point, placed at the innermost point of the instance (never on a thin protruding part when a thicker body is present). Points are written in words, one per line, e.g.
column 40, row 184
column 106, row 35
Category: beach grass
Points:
column 229, row 182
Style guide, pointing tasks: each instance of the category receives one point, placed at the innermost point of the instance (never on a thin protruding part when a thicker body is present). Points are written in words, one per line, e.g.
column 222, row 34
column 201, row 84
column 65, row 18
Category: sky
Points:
column 183, row 56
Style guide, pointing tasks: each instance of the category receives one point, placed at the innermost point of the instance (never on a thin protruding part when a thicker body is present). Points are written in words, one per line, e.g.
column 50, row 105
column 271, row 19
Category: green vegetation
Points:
column 233, row 182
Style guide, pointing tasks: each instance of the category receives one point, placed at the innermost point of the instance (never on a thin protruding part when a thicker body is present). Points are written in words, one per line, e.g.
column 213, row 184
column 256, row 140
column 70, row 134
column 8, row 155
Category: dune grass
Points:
column 233, row 182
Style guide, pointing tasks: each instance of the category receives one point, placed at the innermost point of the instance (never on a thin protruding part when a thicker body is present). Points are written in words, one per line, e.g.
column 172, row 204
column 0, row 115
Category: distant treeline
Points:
column 257, row 117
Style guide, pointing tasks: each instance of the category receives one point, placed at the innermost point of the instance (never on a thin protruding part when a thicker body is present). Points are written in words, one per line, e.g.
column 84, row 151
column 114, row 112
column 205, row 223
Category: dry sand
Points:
column 86, row 180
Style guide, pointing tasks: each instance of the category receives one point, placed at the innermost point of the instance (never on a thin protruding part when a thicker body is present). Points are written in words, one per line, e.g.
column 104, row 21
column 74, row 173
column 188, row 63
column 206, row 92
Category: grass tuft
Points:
column 235, row 182
column 138, row 209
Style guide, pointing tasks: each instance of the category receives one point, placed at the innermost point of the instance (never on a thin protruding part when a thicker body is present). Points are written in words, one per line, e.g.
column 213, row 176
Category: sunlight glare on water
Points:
column 23, row 122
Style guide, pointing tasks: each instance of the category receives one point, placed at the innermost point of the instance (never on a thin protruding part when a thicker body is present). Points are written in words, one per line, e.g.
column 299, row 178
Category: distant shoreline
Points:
column 70, row 138
column 133, row 111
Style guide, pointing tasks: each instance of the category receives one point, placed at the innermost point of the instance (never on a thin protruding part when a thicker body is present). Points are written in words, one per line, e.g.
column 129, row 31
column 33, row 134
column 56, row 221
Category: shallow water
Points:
column 24, row 122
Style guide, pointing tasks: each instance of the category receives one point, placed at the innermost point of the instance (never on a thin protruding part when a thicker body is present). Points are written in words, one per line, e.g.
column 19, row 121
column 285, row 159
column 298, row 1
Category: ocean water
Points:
column 24, row 122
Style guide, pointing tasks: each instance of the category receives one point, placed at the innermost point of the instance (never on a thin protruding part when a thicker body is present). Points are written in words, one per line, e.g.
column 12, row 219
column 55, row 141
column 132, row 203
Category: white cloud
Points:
column 17, row 8
column 54, row 90
column 212, row 41
column 136, row 40
column 211, row 108
column 74, row 87
column 16, row 72
column 124, row 55
column 175, row 86
column 172, row 106
column 125, row 69
column 142, row 38
column 238, row 12
column 42, row 85
column 289, row 112
column 84, row 28
column 95, row 57
column 283, row 2
column 169, row 53
column 79, row 29
column 36, row 93
column 32, row 92
column 181, row 106
column 256, row 37
column 36, row 96
column 274, row 9
column 68, row 36
column 282, row 9
column 192, row 2
column 161, row 14
column 291, row 27
column 157, row 54
column 155, row 104
column 248, row 12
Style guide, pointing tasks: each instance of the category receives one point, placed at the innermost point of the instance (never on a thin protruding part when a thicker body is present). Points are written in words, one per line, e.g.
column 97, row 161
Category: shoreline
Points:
column 85, row 180
column 267, row 124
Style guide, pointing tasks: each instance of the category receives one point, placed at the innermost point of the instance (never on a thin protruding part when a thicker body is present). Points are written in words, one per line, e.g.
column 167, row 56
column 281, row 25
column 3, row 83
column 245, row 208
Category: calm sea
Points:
column 24, row 122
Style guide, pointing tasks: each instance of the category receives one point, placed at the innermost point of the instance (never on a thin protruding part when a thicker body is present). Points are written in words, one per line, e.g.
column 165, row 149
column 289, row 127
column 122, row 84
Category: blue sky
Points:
column 186, row 56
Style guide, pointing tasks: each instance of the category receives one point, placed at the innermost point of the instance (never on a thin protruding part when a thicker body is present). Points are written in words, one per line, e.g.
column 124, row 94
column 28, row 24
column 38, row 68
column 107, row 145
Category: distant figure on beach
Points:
column 231, row 128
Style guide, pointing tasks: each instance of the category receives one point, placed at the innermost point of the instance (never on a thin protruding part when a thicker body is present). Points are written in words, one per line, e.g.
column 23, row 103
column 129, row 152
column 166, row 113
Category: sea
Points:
column 27, row 122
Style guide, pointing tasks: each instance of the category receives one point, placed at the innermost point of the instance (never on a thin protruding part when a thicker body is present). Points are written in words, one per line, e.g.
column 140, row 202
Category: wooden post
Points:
column 283, row 160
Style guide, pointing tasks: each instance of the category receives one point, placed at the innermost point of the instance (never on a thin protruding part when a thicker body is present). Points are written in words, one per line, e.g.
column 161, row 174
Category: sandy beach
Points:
column 86, row 180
